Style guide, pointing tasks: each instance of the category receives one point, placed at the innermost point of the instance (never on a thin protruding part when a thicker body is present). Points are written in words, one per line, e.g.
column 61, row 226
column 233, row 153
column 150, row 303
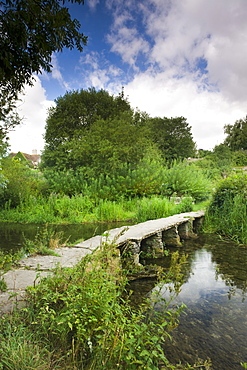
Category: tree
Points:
column 173, row 136
column 111, row 144
column 74, row 119
column 30, row 31
column 236, row 135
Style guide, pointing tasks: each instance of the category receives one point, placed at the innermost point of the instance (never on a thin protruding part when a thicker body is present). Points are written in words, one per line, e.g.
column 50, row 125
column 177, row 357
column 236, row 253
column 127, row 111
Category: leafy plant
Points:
column 44, row 243
column 183, row 179
column 3, row 285
column 227, row 212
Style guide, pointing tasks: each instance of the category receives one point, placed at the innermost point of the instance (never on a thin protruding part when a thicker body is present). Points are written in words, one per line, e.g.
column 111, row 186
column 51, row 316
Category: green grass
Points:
column 78, row 209
column 230, row 219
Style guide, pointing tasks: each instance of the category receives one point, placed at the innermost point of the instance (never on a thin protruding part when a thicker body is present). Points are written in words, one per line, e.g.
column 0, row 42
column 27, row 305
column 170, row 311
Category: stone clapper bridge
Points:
column 150, row 238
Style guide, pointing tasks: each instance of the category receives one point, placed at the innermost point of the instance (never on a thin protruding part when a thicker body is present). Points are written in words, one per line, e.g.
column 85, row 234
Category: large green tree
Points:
column 30, row 31
column 83, row 121
column 173, row 137
column 111, row 144
column 236, row 135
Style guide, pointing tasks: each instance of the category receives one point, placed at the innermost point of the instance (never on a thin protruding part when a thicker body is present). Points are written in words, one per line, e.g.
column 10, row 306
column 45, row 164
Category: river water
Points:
column 13, row 235
column 214, row 324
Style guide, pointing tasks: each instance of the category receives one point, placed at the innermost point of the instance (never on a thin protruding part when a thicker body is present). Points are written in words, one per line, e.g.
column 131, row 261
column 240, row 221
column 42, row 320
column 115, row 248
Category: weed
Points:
column 44, row 243
column 3, row 285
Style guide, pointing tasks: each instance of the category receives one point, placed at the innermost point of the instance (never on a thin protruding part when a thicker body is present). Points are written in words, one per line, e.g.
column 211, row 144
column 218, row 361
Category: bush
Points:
column 227, row 212
column 22, row 182
column 184, row 179
column 235, row 184
column 240, row 157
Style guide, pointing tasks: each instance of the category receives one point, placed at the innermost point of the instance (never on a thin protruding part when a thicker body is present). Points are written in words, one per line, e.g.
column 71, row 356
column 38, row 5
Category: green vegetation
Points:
column 227, row 212
column 95, row 132
column 45, row 243
column 3, row 285
column 27, row 48
column 81, row 319
column 237, row 135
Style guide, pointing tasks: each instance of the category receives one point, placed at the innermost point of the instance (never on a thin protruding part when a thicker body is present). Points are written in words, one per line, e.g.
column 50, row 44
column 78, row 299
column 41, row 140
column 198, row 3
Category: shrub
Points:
column 81, row 313
column 22, row 182
column 227, row 212
column 240, row 157
column 183, row 179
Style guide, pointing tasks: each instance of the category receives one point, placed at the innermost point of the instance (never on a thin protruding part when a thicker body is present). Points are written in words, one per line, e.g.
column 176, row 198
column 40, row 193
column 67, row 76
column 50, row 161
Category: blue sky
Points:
column 174, row 58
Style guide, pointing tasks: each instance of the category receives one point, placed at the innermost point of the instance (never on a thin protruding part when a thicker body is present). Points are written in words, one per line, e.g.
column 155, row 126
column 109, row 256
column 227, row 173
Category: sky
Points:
column 173, row 57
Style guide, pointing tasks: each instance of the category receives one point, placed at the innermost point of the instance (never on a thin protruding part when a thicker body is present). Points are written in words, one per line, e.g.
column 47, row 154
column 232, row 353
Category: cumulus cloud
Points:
column 124, row 38
column 33, row 109
column 98, row 72
column 206, row 112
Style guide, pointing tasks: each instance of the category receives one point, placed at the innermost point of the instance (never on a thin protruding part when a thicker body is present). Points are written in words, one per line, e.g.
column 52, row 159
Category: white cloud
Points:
column 93, row 3
column 100, row 73
column 196, row 62
column 206, row 112
column 213, row 30
column 33, row 109
column 124, row 37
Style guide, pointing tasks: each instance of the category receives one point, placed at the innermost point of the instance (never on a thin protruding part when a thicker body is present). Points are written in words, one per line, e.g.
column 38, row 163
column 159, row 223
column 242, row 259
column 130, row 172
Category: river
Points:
column 13, row 235
column 214, row 324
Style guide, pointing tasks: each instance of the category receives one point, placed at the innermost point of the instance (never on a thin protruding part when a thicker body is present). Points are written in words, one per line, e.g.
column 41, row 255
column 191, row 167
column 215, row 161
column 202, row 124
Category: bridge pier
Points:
column 130, row 253
column 171, row 238
column 186, row 230
column 152, row 246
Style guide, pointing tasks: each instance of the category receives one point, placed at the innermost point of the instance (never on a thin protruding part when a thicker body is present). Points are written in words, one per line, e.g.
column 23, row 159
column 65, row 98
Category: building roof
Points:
column 34, row 158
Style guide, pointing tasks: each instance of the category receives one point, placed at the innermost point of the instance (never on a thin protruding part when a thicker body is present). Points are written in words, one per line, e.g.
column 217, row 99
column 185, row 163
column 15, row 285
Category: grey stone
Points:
column 68, row 258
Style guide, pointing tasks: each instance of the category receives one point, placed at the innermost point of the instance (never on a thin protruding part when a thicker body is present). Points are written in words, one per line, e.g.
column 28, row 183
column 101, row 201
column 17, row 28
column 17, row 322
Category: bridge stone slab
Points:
column 145, row 229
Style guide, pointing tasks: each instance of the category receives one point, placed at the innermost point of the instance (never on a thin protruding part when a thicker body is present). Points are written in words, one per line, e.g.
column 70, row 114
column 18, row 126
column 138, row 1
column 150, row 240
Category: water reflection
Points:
column 215, row 322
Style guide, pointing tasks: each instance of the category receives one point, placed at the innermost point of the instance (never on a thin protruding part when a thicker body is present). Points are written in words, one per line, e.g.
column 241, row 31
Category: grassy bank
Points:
column 227, row 211
column 77, row 209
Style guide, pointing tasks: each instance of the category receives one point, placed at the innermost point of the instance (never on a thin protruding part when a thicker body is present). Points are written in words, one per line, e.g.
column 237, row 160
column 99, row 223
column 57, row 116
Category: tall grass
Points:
column 78, row 209
column 158, row 207
column 230, row 219
column 227, row 212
